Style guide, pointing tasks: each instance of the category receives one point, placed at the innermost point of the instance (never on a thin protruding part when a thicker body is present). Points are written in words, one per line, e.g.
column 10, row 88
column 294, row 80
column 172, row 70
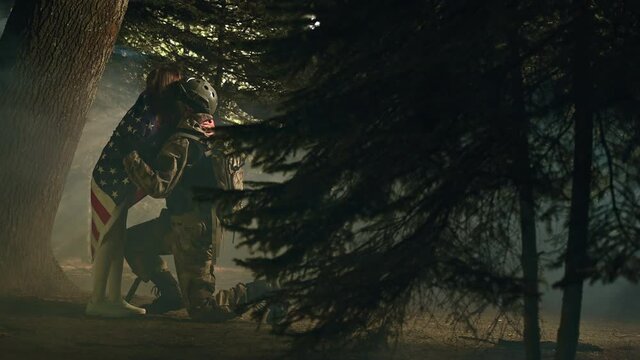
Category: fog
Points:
column 118, row 91
column 5, row 8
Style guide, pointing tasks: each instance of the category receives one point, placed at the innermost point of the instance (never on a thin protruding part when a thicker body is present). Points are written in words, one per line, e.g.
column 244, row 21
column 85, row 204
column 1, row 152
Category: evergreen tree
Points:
column 402, row 165
column 212, row 39
column 419, row 134
column 603, row 86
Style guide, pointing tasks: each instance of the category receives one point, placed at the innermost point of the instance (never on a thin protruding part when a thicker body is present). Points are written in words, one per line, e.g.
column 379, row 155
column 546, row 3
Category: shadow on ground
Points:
column 58, row 329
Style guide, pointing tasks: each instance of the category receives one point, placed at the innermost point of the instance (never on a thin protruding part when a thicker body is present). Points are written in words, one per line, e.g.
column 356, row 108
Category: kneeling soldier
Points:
column 188, row 228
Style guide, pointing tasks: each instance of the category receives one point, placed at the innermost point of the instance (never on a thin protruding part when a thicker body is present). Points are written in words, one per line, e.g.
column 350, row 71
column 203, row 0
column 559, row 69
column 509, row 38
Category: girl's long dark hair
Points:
column 157, row 81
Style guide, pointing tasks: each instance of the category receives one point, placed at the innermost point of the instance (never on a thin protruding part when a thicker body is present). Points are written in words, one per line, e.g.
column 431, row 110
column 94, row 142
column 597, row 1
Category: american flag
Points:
column 111, row 190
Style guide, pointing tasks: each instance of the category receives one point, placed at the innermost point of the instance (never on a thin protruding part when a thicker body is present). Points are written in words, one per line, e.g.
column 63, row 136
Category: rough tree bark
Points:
column 576, row 254
column 52, row 55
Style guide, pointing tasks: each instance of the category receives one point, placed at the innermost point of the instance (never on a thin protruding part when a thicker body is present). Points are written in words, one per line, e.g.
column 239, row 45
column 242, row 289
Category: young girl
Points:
column 112, row 194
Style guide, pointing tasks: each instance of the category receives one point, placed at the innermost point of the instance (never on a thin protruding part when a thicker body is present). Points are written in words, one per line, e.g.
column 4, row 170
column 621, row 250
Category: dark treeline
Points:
column 428, row 141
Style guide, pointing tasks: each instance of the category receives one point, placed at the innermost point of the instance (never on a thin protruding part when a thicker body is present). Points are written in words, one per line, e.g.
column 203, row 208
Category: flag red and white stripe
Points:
column 104, row 212
column 111, row 191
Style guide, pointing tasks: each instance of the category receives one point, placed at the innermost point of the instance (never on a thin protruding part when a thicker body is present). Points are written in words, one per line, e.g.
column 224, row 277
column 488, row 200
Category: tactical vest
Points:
column 207, row 167
column 224, row 170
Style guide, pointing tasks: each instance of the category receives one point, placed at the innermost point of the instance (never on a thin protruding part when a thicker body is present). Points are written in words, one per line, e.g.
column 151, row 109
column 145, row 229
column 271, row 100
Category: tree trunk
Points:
column 529, row 262
column 576, row 255
column 220, row 66
column 52, row 55
column 222, row 32
column 524, row 179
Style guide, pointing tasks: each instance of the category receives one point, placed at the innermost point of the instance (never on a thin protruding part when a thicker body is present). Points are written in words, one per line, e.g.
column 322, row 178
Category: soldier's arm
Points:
column 159, row 181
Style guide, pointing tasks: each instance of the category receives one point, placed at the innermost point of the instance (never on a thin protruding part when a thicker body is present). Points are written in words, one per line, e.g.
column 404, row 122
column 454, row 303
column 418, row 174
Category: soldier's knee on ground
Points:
column 199, row 292
column 225, row 305
column 203, row 306
column 210, row 313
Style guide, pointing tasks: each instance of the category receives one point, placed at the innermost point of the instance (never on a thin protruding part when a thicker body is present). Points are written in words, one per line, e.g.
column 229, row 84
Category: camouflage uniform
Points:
column 187, row 229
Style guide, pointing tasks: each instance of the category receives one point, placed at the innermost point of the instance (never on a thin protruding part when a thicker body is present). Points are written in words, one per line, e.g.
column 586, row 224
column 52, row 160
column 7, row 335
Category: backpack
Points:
column 227, row 169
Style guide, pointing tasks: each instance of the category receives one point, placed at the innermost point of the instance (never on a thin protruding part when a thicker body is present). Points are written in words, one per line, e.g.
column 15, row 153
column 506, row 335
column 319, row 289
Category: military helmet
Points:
column 199, row 95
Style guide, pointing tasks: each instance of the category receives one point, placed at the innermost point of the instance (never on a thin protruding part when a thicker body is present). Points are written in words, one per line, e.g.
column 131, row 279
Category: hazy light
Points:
column 314, row 21
column 314, row 25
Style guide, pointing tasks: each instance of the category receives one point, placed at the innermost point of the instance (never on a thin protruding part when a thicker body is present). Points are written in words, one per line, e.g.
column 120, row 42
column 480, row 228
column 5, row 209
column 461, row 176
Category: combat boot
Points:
column 257, row 290
column 272, row 313
column 168, row 297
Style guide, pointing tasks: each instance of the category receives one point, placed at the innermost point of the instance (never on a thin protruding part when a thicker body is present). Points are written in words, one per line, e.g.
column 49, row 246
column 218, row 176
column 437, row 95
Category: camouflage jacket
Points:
column 178, row 169
column 160, row 179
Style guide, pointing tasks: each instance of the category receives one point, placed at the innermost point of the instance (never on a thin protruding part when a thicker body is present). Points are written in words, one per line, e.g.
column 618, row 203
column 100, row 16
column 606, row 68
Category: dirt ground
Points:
column 58, row 329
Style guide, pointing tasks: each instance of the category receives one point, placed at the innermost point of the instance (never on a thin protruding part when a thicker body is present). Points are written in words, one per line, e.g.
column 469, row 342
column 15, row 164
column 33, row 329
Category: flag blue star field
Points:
column 111, row 190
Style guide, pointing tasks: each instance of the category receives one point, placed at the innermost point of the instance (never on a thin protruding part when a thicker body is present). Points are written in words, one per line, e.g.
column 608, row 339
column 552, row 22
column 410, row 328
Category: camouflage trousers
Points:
column 189, row 240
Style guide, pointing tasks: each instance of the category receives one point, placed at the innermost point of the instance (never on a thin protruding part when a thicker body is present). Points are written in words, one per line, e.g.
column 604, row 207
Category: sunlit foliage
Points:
column 214, row 39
